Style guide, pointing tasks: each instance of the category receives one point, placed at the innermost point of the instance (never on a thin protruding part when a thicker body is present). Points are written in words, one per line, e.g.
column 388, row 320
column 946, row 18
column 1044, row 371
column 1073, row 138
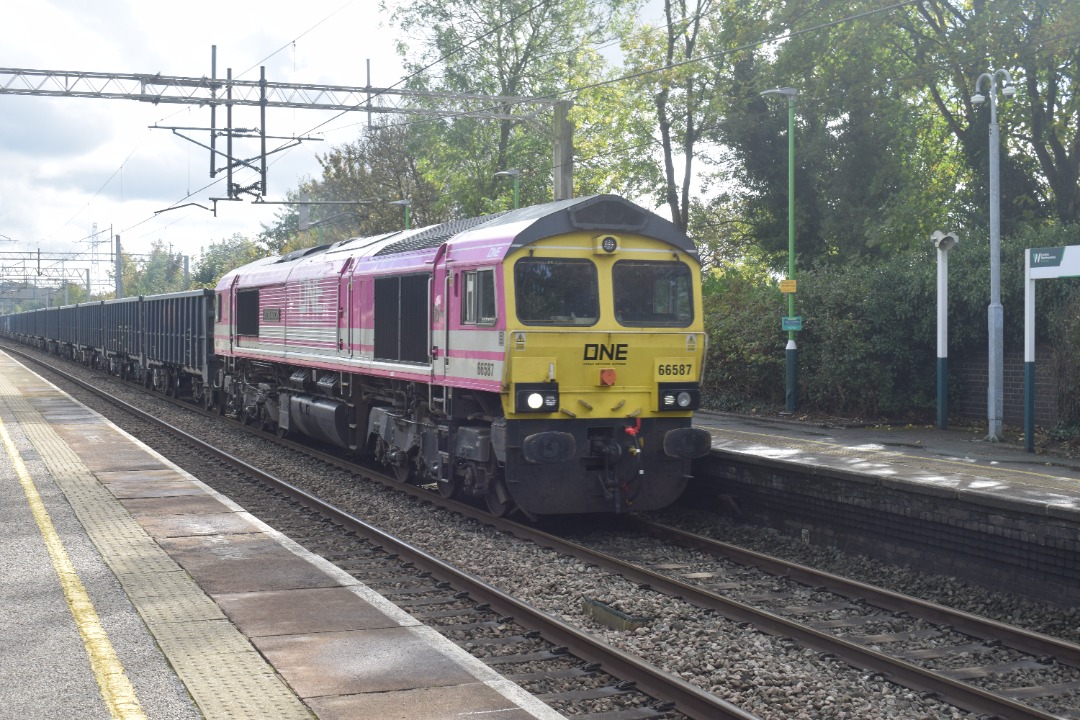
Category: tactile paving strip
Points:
column 225, row 675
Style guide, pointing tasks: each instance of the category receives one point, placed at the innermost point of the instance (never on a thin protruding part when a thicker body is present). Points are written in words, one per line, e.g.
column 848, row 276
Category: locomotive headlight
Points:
column 536, row 398
column 679, row 396
column 605, row 244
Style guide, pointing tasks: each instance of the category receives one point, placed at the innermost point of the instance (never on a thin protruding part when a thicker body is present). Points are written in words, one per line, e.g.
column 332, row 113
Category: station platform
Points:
column 132, row 590
column 943, row 500
column 958, row 462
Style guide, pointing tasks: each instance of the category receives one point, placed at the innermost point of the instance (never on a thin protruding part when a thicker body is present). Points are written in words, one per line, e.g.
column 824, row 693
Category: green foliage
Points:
column 745, row 361
column 223, row 256
column 162, row 271
column 868, row 348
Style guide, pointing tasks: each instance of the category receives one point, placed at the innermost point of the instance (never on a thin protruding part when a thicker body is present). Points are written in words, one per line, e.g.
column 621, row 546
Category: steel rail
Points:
column 894, row 669
column 1020, row 639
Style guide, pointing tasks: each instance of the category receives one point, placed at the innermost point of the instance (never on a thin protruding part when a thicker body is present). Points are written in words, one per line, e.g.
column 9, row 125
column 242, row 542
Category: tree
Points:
column 871, row 169
column 379, row 169
column 502, row 48
column 359, row 193
column 683, row 69
column 949, row 42
column 223, row 256
column 162, row 271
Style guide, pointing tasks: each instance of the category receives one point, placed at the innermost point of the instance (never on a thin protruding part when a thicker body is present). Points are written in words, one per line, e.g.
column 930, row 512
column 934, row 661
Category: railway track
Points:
column 558, row 662
column 868, row 627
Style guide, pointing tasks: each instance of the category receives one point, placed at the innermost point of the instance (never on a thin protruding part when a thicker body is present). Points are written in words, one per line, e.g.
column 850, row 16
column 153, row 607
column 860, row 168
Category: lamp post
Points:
column 943, row 242
column 407, row 203
column 995, row 398
column 516, row 174
column 791, row 353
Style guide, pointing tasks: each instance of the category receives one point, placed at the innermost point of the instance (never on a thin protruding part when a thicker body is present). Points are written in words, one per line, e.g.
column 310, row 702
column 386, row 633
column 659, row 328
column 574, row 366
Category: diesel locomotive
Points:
column 545, row 359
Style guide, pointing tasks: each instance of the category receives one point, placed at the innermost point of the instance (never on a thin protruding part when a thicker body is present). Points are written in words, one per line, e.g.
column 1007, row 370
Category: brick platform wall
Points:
column 970, row 402
column 1031, row 550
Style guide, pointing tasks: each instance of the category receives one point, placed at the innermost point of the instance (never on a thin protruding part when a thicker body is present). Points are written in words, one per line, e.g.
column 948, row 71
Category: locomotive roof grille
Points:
column 303, row 252
column 608, row 214
column 599, row 212
column 436, row 235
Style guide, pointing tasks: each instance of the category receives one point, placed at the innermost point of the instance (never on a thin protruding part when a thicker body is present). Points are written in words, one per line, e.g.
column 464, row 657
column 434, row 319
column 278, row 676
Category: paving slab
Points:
column 243, row 563
column 364, row 661
column 296, row 612
column 467, row 702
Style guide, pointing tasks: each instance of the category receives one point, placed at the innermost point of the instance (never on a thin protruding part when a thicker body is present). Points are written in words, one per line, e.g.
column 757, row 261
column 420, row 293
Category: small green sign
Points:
column 791, row 323
column 1046, row 257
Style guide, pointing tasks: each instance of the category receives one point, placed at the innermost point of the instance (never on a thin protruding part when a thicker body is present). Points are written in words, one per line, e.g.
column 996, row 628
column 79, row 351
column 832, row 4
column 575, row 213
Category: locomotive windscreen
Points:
column 556, row 291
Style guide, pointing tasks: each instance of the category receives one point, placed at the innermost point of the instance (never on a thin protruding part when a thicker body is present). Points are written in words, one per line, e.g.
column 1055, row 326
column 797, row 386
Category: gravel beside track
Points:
column 768, row 676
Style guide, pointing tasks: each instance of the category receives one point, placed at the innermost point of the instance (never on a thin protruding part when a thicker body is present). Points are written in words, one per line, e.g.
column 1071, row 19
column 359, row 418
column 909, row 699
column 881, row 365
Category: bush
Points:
column 744, row 366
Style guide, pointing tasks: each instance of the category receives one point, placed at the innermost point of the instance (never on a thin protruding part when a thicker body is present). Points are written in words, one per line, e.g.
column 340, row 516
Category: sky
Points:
column 70, row 164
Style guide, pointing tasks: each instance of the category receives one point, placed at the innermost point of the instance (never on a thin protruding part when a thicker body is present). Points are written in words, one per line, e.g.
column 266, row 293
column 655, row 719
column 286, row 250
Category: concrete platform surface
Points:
column 189, row 605
column 953, row 463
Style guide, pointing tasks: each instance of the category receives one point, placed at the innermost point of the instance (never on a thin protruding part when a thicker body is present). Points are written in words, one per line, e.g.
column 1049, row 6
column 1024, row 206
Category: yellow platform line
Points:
column 116, row 689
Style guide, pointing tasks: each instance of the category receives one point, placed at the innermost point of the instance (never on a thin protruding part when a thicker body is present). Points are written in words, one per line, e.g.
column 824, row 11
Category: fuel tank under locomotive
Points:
column 597, row 466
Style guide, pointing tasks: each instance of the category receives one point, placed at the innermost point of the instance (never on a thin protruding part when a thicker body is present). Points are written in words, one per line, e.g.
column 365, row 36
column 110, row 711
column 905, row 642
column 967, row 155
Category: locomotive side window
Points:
column 652, row 293
column 478, row 305
column 247, row 312
column 219, row 307
column 556, row 291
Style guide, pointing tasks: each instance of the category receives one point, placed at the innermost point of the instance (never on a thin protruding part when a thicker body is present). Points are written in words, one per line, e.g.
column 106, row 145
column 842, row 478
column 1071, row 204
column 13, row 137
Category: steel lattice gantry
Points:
column 262, row 93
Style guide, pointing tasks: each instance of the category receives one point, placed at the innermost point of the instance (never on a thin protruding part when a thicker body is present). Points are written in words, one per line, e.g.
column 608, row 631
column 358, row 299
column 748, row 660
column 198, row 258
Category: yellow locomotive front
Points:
column 604, row 349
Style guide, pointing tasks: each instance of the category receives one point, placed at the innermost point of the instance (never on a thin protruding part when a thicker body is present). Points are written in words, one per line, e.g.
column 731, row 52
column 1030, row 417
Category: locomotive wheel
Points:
column 450, row 489
column 498, row 500
column 404, row 473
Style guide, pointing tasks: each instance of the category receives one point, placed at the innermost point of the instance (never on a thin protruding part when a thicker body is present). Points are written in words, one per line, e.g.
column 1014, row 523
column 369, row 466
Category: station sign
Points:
column 1054, row 262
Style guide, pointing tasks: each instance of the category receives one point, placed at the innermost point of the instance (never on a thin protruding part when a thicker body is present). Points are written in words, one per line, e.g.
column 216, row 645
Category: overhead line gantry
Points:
column 229, row 92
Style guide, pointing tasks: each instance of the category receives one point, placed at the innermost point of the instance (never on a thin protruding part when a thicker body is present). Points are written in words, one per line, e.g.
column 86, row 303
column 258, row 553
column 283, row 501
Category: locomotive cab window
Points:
column 652, row 293
column 556, row 291
column 478, row 301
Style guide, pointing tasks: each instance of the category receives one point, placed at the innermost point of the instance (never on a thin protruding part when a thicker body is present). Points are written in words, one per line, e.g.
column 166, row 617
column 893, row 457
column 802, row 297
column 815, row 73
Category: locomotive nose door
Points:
column 344, row 310
column 441, row 289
